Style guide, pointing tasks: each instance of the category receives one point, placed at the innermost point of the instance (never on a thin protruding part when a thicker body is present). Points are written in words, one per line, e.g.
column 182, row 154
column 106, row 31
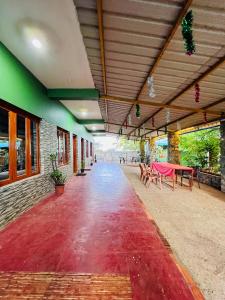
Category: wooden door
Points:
column 74, row 154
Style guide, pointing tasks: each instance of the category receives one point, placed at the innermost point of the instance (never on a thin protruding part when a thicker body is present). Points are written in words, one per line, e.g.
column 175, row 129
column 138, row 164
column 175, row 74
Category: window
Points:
column 87, row 150
column 63, row 146
column 19, row 145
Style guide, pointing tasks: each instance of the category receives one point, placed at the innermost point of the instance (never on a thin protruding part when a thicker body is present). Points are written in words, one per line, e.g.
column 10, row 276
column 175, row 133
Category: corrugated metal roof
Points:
column 134, row 35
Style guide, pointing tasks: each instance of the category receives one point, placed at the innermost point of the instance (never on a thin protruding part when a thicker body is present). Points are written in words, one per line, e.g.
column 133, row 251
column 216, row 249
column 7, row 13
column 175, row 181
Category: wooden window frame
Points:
column 12, row 122
column 66, row 139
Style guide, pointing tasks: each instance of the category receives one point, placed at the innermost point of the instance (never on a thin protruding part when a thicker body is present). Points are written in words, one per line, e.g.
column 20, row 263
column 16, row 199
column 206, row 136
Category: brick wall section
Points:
column 222, row 157
column 17, row 197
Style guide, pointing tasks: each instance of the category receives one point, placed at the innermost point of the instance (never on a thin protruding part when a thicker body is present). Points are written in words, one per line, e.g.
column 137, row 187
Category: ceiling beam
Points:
column 138, row 137
column 102, row 49
column 188, row 115
column 161, row 105
column 128, row 126
column 73, row 94
column 96, row 131
column 166, row 43
column 91, row 121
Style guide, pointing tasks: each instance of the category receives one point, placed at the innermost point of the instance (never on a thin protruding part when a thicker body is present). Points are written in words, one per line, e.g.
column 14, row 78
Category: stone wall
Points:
column 222, row 154
column 17, row 197
column 210, row 179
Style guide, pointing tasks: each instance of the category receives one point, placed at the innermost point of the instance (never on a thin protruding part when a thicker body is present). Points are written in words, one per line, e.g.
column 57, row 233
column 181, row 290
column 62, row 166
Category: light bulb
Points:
column 36, row 43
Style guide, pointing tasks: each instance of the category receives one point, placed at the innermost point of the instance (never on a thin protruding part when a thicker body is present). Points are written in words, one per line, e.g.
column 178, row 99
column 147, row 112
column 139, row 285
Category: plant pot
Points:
column 59, row 189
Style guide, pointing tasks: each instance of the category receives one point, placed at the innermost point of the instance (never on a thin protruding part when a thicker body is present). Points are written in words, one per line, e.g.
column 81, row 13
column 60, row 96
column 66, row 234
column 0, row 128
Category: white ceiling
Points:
column 85, row 109
column 94, row 127
column 62, row 61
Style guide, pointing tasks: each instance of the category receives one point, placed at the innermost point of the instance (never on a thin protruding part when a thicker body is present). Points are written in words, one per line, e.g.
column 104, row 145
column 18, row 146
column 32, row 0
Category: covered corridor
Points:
column 134, row 71
column 98, row 226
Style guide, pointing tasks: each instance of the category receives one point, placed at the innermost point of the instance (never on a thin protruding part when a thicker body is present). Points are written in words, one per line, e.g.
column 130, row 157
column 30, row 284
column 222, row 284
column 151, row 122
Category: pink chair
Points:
column 153, row 175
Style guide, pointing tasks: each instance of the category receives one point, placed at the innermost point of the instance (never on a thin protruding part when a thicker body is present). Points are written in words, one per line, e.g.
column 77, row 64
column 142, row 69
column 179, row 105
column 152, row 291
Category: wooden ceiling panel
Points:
column 137, row 24
column 202, row 49
column 138, row 70
column 144, row 9
column 131, row 49
column 133, row 38
column 142, row 60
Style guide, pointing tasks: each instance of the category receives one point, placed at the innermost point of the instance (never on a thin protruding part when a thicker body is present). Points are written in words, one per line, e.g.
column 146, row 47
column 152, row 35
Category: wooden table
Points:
column 169, row 170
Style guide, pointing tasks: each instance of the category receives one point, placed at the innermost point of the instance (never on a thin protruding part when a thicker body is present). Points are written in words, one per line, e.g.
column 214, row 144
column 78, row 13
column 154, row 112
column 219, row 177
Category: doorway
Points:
column 75, row 154
column 82, row 149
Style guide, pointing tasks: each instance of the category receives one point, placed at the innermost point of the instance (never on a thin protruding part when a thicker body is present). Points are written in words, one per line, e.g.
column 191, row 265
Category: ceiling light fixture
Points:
column 36, row 43
column 83, row 113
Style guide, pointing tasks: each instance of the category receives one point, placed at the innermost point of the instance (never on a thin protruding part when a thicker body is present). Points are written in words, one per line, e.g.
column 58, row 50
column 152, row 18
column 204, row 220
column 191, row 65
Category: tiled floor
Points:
column 98, row 226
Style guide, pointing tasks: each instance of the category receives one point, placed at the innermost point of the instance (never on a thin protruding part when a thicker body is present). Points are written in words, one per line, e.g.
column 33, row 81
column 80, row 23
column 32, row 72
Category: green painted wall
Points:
column 20, row 88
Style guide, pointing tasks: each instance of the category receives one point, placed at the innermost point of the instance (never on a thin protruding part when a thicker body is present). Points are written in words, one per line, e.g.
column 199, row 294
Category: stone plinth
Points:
column 210, row 179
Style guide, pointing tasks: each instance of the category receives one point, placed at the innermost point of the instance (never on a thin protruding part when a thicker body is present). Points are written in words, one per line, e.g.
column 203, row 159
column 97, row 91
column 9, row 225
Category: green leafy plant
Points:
column 57, row 176
column 201, row 149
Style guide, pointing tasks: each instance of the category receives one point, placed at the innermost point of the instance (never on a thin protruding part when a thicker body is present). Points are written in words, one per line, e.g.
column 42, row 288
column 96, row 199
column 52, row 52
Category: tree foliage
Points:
column 201, row 148
column 127, row 145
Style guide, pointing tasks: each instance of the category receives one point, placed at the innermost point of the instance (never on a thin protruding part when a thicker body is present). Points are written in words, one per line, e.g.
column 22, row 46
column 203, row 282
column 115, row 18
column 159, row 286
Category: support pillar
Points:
column 173, row 147
column 222, row 154
column 142, row 150
column 152, row 149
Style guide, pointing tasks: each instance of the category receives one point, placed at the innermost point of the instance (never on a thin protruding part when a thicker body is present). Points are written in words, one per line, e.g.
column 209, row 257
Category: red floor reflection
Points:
column 97, row 226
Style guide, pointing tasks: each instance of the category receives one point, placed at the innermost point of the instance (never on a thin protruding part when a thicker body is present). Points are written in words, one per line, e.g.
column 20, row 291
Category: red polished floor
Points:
column 98, row 226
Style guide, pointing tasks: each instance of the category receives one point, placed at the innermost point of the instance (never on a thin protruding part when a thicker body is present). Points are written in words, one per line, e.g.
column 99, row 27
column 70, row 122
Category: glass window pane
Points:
column 21, row 146
column 4, row 144
column 34, row 146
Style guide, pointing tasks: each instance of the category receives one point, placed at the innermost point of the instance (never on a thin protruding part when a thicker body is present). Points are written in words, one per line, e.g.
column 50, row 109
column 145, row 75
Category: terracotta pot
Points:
column 59, row 189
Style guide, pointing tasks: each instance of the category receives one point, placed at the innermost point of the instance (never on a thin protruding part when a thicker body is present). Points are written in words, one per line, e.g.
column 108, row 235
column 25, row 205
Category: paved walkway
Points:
column 97, row 227
column 193, row 224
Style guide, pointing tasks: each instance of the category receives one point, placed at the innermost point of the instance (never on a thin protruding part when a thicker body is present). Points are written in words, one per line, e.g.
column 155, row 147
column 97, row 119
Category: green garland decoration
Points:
column 187, row 33
column 138, row 111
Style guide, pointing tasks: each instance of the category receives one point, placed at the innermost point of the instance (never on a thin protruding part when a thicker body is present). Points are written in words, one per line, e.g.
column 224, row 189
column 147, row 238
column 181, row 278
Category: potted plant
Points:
column 82, row 166
column 57, row 176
